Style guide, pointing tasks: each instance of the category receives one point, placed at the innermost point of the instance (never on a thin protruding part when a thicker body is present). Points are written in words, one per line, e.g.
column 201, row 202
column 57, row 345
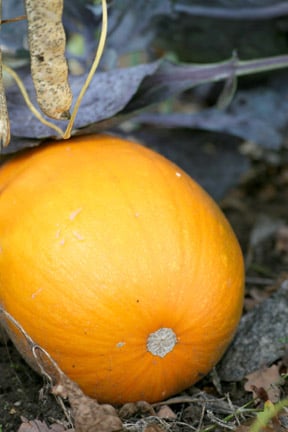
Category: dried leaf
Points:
column 265, row 380
column 166, row 412
column 33, row 426
column 131, row 409
column 4, row 119
column 39, row 426
column 48, row 63
column 88, row 415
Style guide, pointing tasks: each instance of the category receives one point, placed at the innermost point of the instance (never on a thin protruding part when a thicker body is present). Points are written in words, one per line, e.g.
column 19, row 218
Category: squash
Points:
column 119, row 265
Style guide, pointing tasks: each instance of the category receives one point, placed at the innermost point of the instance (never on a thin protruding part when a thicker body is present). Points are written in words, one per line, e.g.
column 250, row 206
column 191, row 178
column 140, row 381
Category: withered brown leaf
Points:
column 265, row 383
column 88, row 414
column 39, row 426
column 131, row 409
column 49, row 67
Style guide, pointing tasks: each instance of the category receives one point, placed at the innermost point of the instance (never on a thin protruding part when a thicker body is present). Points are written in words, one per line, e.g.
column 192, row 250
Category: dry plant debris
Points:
column 47, row 53
column 265, row 383
column 39, row 426
column 88, row 415
column 131, row 409
column 4, row 119
column 166, row 412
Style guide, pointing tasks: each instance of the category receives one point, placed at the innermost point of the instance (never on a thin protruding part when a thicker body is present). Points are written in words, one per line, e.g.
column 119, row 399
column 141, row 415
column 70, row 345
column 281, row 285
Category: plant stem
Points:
column 27, row 99
column 92, row 71
column 237, row 13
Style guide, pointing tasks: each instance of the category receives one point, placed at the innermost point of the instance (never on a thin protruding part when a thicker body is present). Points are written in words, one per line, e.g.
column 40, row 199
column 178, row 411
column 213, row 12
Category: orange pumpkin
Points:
column 119, row 265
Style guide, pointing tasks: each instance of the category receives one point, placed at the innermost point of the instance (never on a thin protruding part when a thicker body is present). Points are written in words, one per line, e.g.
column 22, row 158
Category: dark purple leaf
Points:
column 234, row 9
column 121, row 92
column 12, row 35
column 213, row 160
column 107, row 95
column 258, row 114
column 171, row 79
column 132, row 25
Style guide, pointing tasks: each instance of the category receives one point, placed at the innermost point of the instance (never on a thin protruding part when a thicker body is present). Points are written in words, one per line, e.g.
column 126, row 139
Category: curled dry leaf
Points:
column 39, row 426
column 4, row 119
column 265, row 382
column 88, row 415
column 49, row 67
column 131, row 409
column 166, row 412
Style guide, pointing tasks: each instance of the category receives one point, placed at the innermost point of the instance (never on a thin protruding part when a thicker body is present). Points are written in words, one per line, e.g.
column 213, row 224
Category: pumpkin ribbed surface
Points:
column 119, row 265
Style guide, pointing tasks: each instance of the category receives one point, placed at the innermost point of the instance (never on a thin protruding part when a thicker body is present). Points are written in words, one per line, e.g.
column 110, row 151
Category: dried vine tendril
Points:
column 4, row 119
column 37, row 73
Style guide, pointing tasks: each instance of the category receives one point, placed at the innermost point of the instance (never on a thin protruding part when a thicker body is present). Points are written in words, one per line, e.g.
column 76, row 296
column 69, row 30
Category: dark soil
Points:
column 22, row 392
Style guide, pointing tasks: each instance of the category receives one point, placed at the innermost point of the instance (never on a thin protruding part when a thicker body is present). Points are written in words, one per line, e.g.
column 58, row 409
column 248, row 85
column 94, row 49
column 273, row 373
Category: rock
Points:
column 261, row 339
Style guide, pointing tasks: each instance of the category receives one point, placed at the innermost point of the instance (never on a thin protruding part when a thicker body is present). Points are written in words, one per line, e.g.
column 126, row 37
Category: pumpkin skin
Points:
column 103, row 243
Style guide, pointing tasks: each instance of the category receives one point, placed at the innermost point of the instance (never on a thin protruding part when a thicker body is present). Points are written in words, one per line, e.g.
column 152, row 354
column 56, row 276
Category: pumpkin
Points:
column 119, row 265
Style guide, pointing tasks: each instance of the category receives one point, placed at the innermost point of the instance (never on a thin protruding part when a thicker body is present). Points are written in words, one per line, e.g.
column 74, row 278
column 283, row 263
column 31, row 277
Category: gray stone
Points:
column 261, row 339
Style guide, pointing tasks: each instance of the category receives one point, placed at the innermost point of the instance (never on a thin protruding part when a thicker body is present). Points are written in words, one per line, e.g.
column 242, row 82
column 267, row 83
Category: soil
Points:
column 23, row 393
